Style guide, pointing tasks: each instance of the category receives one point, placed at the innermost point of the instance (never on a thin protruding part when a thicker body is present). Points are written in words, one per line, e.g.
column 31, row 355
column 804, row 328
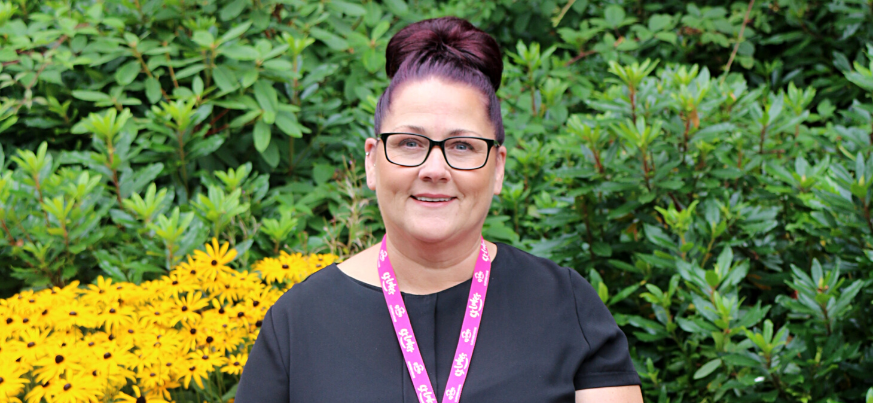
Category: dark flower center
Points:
column 241, row 314
column 25, row 320
column 184, row 309
column 258, row 323
column 31, row 344
column 205, row 357
column 9, row 321
column 67, row 387
column 45, row 312
column 192, row 368
column 112, row 310
column 91, row 344
column 107, row 356
column 175, row 282
column 73, row 313
column 193, row 331
column 214, row 262
column 140, row 400
column 111, row 337
column 236, row 363
column 209, row 339
column 221, row 310
column 285, row 266
column 59, row 359
column 256, row 303
column 130, row 331
column 193, row 271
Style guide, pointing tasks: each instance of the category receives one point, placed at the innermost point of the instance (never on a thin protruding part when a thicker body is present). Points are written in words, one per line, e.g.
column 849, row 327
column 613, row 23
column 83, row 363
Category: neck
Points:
column 426, row 268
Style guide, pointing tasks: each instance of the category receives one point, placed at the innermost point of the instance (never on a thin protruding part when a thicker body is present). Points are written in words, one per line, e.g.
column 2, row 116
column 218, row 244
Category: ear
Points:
column 370, row 159
column 499, row 169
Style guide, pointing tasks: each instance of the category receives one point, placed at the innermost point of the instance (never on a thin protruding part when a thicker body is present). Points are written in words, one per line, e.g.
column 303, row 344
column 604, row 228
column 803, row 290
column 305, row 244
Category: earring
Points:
column 367, row 154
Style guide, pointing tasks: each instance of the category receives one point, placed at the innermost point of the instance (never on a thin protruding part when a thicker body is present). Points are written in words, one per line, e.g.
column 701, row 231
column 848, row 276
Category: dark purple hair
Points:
column 450, row 48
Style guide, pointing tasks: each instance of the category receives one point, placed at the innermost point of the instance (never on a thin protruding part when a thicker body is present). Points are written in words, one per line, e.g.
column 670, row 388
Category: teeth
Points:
column 427, row 199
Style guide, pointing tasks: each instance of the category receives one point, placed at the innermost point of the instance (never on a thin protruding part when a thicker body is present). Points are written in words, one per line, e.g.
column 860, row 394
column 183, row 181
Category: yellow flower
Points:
column 185, row 308
column 203, row 317
column 235, row 364
column 33, row 340
column 215, row 258
column 114, row 315
column 13, row 382
column 60, row 359
column 74, row 388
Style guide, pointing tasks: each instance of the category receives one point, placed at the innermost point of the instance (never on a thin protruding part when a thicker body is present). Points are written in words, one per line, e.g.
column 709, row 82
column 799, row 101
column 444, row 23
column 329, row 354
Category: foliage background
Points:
column 706, row 165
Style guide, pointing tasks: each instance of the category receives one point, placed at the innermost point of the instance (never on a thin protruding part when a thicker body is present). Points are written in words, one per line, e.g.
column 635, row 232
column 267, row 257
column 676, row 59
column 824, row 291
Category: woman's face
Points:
column 437, row 109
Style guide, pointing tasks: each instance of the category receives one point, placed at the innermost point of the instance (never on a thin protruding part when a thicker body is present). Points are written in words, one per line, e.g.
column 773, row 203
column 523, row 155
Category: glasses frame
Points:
column 491, row 143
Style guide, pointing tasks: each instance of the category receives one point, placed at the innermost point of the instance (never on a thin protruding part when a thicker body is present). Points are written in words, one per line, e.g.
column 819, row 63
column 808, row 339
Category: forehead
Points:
column 440, row 108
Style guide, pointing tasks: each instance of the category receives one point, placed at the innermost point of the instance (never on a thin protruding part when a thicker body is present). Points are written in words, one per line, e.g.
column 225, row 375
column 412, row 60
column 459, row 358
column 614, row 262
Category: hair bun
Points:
column 449, row 39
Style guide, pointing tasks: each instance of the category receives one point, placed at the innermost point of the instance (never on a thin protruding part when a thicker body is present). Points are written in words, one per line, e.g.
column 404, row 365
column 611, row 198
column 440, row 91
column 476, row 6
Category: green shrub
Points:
column 723, row 217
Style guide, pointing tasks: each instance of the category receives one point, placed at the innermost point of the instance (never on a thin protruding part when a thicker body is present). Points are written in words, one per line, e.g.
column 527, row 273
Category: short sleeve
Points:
column 607, row 362
column 265, row 376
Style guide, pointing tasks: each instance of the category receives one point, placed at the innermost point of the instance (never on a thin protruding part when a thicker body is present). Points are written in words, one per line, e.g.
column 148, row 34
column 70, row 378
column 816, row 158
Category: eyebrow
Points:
column 453, row 132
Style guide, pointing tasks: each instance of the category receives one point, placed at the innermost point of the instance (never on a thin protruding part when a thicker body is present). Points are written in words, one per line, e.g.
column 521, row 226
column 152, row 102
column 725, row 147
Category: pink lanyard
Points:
column 406, row 338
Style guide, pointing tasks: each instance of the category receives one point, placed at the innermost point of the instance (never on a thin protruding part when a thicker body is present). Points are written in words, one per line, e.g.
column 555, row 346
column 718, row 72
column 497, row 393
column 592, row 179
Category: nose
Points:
column 435, row 167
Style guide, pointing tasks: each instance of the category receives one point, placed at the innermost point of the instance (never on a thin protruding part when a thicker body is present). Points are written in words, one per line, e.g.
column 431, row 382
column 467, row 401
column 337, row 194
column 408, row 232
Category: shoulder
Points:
column 538, row 274
column 317, row 286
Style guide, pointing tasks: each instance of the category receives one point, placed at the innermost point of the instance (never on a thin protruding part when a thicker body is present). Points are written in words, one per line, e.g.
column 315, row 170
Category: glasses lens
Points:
column 406, row 149
column 412, row 149
column 466, row 153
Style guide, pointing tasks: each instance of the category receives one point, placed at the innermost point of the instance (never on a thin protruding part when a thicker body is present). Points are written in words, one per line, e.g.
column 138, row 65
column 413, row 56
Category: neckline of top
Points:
column 405, row 294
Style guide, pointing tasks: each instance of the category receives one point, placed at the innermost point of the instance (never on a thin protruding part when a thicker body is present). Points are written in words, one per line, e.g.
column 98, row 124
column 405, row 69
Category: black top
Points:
column 544, row 334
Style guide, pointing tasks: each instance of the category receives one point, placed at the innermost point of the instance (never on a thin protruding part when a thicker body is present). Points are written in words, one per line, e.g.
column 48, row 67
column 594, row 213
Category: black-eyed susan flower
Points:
column 58, row 360
column 215, row 259
column 185, row 308
column 235, row 364
column 13, row 382
column 74, row 388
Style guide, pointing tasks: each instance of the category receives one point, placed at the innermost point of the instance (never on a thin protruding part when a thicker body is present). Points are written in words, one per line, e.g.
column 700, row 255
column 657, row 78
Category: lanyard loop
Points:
column 406, row 338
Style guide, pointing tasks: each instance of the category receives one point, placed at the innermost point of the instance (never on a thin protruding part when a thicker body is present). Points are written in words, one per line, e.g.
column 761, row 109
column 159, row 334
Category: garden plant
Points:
column 706, row 165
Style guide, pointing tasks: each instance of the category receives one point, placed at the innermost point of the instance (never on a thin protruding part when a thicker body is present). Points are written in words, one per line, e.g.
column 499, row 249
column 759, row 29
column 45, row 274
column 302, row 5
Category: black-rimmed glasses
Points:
column 412, row 150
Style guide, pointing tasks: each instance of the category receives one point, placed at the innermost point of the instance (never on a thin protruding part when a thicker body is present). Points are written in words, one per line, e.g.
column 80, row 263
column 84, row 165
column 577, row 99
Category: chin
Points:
column 431, row 233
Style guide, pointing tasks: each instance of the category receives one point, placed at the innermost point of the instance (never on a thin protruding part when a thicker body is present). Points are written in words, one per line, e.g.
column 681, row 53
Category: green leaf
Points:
column 707, row 368
column 397, row 7
column 240, row 52
column 350, row 9
column 235, row 32
column 658, row 22
column 127, row 73
column 380, row 30
column 271, row 154
column 614, row 15
column 261, row 135
column 203, row 38
column 289, row 125
column 232, row 10
column 92, row 96
column 330, row 39
column 153, row 90
column 601, row 249
column 266, row 96
column 321, row 173
column 224, row 78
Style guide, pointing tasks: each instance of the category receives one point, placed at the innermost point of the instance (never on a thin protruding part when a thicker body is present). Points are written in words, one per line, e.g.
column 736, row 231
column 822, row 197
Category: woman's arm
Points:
column 615, row 394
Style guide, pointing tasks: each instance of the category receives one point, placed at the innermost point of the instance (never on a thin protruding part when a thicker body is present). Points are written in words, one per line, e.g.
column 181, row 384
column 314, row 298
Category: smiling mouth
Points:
column 433, row 200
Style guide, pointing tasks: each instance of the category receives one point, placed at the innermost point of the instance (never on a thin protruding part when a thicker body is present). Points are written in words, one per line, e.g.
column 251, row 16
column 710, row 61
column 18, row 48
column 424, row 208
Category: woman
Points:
column 407, row 320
